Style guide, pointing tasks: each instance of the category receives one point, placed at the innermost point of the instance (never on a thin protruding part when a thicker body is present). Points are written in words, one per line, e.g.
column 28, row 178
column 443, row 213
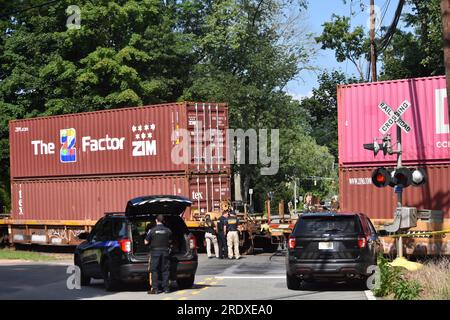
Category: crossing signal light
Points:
column 385, row 146
column 402, row 177
column 381, row 177
column 375, row 147
column 419, row 177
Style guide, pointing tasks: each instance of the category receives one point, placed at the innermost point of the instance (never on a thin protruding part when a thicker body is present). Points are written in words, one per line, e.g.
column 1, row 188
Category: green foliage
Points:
column 407, row 290
column 322, row 109
column 394, row 283
column 347, row 44
column 416, row 53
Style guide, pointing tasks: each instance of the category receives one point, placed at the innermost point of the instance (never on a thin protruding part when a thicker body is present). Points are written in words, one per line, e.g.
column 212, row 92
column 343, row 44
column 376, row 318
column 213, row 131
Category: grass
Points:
column 434, row 279
column 10, row 254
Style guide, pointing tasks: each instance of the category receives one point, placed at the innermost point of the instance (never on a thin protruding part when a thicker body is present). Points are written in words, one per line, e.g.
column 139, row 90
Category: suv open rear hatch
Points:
column 154, row 205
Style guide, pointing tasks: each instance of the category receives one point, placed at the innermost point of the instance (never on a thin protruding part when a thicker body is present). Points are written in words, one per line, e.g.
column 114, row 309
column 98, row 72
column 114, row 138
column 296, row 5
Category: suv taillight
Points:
column 362, row 241
column 192, row 242
column 125, row 245
column 291, row 243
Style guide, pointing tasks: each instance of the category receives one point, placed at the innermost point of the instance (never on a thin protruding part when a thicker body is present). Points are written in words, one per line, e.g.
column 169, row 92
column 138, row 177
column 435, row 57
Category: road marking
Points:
column 369, row 295
column 195, row 292
column 207, row 279
column 201, row 282
column 251, row 277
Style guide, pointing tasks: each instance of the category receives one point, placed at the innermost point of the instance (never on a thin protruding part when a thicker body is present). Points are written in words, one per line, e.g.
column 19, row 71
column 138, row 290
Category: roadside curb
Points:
column 20, row 261
column 369, row 295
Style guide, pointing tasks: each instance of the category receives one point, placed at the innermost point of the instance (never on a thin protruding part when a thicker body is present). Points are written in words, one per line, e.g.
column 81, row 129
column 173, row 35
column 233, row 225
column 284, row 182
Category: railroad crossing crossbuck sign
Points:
column 394, row 117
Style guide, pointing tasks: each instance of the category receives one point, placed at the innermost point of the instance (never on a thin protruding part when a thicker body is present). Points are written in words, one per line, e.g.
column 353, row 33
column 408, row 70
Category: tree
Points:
column 348, row 44
column 322, row 109
column 248, row 62
column 416, row 53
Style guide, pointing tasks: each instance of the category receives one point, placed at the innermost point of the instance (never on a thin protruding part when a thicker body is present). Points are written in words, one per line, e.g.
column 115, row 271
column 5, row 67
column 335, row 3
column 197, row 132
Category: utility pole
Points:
column 373, row 49
column 295, row 195
column 445, row 9
column 399, row 192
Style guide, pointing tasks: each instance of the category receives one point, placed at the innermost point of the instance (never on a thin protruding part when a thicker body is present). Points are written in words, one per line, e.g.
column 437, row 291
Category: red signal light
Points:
column 380, row 178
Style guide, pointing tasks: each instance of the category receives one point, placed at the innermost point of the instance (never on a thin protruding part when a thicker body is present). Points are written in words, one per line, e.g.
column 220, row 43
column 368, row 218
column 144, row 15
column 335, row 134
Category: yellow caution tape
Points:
column 413, row 234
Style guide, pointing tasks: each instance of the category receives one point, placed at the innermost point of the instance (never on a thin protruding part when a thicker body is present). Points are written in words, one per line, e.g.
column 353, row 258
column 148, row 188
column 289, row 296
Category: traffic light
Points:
column 419, row 177
column 381, row 177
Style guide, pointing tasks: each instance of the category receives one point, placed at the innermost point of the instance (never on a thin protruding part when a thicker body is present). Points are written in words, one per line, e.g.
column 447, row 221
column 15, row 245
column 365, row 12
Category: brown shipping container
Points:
column 121, row 141
column 88, row 199
column 358, row 194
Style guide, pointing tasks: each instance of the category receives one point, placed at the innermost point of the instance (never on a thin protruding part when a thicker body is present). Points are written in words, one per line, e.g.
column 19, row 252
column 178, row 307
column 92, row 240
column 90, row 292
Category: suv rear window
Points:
column 315, row 225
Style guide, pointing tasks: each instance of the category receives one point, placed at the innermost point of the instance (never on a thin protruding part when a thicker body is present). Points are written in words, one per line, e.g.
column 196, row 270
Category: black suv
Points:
column 330, row 245
column 115, row 250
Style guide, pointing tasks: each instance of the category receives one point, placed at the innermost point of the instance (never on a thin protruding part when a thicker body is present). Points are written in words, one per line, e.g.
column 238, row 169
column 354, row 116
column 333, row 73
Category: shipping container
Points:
column 169, row 138
column 360, row 119
column 89, row 199
column 358, row 194
column 44, row 210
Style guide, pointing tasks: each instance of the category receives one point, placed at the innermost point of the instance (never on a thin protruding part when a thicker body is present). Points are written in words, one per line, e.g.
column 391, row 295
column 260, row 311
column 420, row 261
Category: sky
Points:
column 319, row 12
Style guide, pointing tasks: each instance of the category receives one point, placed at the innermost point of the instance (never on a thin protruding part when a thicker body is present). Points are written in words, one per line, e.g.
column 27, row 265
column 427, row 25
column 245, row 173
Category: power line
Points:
column 384, row 42
column 386, row 7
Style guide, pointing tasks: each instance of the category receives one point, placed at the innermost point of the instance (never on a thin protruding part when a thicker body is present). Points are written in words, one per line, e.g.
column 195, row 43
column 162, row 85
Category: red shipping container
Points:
column 88, row 199
column 360, row 118
column 121, row 141
column 358, row 194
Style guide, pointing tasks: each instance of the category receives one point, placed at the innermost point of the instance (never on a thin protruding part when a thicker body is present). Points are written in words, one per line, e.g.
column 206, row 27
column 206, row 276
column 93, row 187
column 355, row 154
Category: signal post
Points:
column 400, row 177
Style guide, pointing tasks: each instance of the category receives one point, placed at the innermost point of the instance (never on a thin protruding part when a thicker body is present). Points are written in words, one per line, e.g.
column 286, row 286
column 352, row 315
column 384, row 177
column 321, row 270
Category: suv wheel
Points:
column 84, row 279
column 293, row 283
column 186, row 283
column 111, row 283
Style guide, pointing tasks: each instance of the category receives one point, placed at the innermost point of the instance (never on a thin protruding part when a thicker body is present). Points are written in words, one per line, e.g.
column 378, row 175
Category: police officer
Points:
column 221, row 234
column 233, row 236
column 159, row 239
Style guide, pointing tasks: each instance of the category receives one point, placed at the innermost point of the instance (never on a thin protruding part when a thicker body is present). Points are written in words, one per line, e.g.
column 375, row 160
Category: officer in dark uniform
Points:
column 222, row 235
column 159, row 239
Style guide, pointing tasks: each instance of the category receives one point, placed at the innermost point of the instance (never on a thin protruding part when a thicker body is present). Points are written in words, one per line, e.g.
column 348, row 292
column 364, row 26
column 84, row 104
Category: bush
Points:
column 395, row 283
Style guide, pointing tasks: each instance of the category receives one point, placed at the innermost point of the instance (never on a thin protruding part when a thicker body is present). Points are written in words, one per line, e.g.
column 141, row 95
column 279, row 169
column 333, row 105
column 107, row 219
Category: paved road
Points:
column 252, row 277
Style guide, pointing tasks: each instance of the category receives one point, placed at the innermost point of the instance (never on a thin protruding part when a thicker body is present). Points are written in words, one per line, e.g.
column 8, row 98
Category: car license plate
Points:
column 325, row 245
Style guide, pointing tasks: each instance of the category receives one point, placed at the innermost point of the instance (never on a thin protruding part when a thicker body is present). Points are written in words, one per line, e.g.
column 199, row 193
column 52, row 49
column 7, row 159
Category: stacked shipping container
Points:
column 427, row 145
column 69, row 170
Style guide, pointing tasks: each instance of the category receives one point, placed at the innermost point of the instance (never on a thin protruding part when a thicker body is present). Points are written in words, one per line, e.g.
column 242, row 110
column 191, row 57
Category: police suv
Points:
column 115, row 251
